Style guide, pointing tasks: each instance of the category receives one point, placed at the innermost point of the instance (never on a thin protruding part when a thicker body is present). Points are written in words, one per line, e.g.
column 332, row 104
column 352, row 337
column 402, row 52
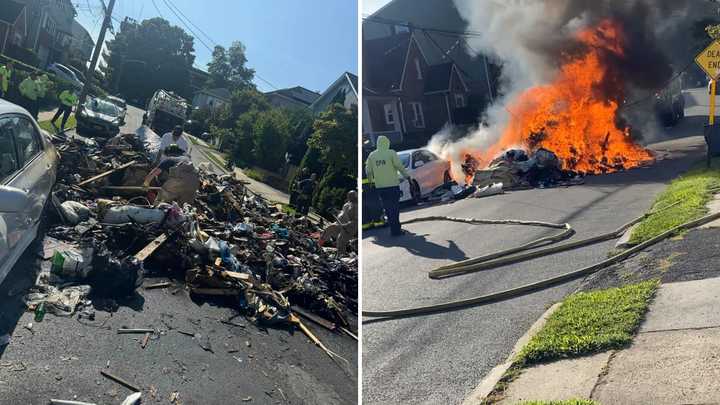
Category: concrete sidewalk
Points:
column 674, row 359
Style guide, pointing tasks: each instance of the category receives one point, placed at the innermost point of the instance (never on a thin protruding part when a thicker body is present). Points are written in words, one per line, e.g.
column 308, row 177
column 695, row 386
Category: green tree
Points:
column 227, row 68
column 240, row 143
column 148, row 56
column 271, row 133
column 332, row 154
column 335, row 136
column 301, row 122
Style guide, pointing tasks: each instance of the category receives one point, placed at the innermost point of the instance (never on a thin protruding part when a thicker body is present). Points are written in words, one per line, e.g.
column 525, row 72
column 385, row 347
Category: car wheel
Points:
column 446, row 177
column 415, row 192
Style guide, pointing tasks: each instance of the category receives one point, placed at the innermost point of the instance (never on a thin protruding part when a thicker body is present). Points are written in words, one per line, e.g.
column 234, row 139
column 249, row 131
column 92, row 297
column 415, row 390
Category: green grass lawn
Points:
column 46, row 125
column 693, row 190
column 591, row 322
column 566, row 402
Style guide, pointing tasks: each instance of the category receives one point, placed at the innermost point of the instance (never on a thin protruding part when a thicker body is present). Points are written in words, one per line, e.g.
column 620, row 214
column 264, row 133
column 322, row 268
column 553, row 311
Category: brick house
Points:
column 405, row 98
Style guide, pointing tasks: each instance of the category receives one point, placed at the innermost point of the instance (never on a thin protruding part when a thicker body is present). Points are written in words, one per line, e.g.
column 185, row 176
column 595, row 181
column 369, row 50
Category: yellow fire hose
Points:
column 499, row 258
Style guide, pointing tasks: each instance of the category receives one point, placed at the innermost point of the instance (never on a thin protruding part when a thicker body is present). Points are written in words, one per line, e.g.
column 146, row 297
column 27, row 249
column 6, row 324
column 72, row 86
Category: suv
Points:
column 66, row 74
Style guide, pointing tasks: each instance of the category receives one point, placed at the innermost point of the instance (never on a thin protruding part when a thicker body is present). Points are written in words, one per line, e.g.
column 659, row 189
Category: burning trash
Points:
column 210, row 231
column 573, row 120
column 514, row 169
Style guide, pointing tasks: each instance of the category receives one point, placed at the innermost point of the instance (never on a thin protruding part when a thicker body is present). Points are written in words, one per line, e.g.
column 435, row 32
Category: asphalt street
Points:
column 193, row 353
column 441, row 358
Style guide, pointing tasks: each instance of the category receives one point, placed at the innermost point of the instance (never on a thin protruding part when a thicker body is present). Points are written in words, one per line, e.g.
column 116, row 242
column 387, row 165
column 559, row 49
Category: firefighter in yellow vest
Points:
column 6, row 72
column 67, row 99
column 30, row 92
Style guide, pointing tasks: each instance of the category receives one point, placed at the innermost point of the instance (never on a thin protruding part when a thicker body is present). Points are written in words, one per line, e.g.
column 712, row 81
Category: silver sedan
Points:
column 28, row 169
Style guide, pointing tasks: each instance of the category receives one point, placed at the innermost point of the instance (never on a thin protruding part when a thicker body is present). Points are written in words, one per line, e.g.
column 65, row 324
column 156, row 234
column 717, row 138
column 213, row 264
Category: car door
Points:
column 422, row 174
column 12, row 225
column 35, row 177
column 437, row 167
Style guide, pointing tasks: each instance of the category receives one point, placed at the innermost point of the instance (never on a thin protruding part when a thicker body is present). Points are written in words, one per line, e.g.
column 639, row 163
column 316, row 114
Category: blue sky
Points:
column 289, row 42
column 371, row 6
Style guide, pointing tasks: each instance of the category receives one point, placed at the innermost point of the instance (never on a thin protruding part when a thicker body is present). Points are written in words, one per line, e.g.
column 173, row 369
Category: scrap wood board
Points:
column 107, row 173
column 151, row 247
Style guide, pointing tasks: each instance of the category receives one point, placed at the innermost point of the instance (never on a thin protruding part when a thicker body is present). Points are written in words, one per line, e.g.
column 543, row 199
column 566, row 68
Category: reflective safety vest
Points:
column 68, row 98
column 5, row 74
column 29, row 89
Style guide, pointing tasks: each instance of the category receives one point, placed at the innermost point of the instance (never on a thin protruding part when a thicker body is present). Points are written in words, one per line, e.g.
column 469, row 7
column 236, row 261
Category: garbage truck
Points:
column 165, row 110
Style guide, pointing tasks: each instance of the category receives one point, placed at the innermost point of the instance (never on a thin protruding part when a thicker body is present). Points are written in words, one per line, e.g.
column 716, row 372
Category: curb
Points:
column 487, row 385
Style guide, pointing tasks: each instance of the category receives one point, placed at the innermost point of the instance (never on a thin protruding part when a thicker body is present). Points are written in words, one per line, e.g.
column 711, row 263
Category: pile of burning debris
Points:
column 515, row 169
column 206, row 230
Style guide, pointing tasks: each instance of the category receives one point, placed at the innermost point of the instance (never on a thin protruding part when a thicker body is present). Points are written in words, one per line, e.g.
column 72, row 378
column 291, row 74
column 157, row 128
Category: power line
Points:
column 157, row 9
column 190, row 21
column 187, row 26
column 203, row 42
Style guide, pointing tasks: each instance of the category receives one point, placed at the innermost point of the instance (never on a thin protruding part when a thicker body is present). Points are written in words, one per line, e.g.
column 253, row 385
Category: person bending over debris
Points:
column 382, row 167
column 174, row 155
column 345, row 228
column 68, row 98
column 172, row 138
column 307, row 188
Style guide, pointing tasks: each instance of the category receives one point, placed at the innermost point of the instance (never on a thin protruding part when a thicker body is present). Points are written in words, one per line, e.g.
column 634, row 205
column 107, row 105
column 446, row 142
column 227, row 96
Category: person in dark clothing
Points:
column 306, row 188
column 295, row 189
column 67, row 99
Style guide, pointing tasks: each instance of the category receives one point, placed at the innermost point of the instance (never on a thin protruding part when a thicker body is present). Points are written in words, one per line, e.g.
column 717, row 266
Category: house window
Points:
column 418, row 117
column 418, row 69
column 389, row 114
column 460, row 101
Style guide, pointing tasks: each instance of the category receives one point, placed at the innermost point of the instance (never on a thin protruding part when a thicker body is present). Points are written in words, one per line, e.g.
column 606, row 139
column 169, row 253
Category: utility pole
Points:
column 90, row 77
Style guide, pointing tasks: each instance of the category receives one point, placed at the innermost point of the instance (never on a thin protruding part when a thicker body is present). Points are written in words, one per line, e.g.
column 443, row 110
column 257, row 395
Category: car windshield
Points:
column 405, row 158
column 103, row 107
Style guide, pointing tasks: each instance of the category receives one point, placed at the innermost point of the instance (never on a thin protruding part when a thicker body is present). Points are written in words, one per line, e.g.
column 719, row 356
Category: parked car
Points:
column 64, row 73
column 427, row 172
column 121, row 105
column 99, row 117
column 28, row 169
column 80, row 75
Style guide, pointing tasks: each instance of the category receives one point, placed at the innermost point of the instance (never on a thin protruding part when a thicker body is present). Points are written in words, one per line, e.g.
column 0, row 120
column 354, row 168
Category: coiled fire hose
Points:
column 507, row 256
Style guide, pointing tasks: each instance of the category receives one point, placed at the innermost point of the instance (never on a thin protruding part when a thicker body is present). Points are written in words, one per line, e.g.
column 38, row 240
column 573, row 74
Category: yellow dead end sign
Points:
column 709, row 61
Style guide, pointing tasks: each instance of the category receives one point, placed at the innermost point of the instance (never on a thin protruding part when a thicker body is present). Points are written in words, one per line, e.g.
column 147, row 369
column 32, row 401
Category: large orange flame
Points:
column 571, row 116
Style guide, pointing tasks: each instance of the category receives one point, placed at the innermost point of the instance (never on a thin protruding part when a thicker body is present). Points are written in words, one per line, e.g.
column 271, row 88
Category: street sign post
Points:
column 709, row 61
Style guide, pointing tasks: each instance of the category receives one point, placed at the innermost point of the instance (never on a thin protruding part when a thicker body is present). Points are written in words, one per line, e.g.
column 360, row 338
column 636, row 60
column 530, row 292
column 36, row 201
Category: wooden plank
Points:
column 236, row 275
column 151, row 247
column 318, row 320
column 107, row 173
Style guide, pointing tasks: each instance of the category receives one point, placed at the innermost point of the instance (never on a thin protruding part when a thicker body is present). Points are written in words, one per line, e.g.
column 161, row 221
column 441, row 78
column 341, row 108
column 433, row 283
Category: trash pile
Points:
column 515, row 169
column 206, row 230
